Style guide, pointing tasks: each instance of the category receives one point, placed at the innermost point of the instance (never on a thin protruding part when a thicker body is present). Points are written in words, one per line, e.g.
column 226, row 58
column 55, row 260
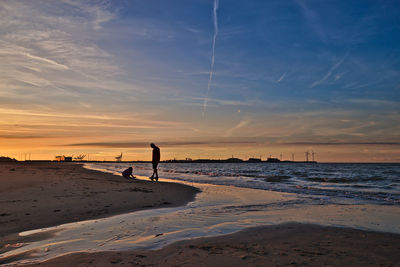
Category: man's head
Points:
column 153, row 145
column 130, row 168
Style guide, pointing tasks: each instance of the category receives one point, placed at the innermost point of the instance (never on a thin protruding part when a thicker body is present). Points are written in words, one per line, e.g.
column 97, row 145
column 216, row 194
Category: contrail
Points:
column 215, row 18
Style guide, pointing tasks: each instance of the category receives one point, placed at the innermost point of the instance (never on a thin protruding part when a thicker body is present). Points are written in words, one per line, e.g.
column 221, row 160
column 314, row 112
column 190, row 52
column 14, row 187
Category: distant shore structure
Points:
column 309, row 158
column 7, row 159
column 63, row 158
column 80, row 157
column 187, row 160
column 235, row 160
column 231, row 159
column 119, row 158
column 253, row 159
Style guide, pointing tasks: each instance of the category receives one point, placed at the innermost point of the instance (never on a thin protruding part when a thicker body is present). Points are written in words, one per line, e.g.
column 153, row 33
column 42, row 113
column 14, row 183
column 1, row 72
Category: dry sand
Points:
column 36, row 195
column 280, row 245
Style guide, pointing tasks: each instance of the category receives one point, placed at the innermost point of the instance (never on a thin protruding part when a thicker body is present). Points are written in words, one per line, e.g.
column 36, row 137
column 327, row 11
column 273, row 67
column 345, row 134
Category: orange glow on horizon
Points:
column 47, row 149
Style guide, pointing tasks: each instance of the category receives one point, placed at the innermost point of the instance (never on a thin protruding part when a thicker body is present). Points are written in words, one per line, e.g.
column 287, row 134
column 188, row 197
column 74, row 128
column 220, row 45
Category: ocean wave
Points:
column 276, row 178
column 329, row 180
column 344, row 179
column 351, row 181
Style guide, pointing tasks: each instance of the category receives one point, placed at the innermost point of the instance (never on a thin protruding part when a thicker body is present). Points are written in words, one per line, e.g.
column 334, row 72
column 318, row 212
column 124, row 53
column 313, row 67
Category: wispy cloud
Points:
column 329, row 73
column 281, row 78
column 162, row 144
column 223, row 102
column 42, row 48
column 241, row 124
column 374, row 102
column 46, row 60
column 312, row 19
column 21, row 136
column 57, row 115
column 343, row 143
column 215, row 20
column 77, row 119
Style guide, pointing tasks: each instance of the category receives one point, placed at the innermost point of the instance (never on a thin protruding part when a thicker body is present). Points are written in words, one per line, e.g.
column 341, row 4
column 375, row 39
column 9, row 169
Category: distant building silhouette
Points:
column 254, row 160
column 63, row 158
column 6, row 159
column 273, row 160
column 234, row 160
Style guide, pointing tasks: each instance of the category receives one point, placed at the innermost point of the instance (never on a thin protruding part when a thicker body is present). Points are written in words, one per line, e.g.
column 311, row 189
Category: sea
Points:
column 376, row 183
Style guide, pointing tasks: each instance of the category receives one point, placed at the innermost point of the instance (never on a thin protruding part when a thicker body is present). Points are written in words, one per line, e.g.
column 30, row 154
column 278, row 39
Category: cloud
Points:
column 238, row 126
column 329, row 73
column 374, row 102
column 312, row 20
column 343, row 143
column 225, row 102
column 161, row 144
column 55, row 114
column 339, row 76
column 215, row 20
column 281, row 78
column 46, row 60
column 21, row 136
column 49, row 48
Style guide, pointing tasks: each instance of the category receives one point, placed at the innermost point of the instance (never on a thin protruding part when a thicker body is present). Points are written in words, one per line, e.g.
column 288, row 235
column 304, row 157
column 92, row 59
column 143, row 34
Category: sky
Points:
column 200, row 78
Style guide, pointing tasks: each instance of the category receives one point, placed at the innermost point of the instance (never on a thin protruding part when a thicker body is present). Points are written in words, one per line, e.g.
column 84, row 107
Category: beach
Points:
column 35, row 195
column 99, row 219
column 260, row 133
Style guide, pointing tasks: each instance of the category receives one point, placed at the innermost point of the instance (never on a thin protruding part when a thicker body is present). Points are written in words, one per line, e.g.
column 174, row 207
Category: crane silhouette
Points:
column 119, row 158
column 80, row 157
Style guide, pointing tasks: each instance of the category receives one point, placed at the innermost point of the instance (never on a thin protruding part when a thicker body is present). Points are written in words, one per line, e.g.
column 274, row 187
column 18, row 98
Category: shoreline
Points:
column 39, row 195
column 293, row 244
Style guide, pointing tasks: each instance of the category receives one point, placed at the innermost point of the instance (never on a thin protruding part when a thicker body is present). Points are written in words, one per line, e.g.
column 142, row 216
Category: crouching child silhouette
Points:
column 128, row 173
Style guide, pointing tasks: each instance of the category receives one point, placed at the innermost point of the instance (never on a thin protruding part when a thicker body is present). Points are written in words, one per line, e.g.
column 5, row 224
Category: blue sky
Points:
column 285, row 72
column 333, row 53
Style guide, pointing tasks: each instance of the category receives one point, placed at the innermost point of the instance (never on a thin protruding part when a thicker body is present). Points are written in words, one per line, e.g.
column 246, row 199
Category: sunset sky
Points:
column 105, row 77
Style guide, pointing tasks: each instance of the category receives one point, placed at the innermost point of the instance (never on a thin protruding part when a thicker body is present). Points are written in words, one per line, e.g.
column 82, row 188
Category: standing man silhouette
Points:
column 155, row 160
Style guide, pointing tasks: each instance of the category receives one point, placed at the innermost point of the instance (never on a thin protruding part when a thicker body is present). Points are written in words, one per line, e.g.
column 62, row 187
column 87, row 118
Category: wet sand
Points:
column 36, row 195
column 290, row 244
